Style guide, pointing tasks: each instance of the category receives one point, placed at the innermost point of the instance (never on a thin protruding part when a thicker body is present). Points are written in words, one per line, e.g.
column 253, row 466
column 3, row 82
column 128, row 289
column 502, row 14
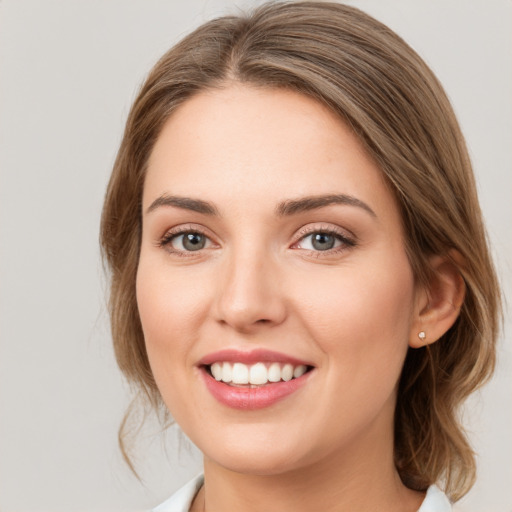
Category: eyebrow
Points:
column 303, row 204
column 186, row 203
column 286, row 208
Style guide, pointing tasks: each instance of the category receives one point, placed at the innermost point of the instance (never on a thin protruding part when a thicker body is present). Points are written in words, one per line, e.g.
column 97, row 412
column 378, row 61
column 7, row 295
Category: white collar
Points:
column 435, row 499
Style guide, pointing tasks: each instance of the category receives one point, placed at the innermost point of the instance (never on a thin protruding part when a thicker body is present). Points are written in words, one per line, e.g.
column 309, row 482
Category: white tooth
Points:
column 287, row 372
column 299, row 370
column 240, row 374
column 274, row 372
column 258, row 374
column 216, row 370
column 226, row 372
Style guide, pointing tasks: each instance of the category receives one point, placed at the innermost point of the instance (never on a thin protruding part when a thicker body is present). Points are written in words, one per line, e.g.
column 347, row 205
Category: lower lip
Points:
column 246, row 398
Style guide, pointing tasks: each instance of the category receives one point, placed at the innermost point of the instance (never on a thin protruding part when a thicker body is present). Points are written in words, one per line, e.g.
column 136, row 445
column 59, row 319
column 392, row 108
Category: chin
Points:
column 262, row 456
column 256, row 464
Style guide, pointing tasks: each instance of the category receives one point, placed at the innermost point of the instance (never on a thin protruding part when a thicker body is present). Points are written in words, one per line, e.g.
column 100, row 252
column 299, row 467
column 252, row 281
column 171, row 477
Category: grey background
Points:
column 69, row 70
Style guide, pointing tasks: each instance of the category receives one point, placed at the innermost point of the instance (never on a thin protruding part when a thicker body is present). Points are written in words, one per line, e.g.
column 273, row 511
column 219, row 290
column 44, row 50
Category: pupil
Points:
column 193, row 241
column 323, row 241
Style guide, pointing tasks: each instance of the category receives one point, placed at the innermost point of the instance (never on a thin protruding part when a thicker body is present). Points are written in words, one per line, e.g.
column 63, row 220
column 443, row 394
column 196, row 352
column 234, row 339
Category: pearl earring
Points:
column 422, row 335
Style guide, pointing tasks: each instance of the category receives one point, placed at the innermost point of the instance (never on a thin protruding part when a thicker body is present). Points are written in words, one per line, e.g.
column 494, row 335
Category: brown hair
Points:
column 376, row 83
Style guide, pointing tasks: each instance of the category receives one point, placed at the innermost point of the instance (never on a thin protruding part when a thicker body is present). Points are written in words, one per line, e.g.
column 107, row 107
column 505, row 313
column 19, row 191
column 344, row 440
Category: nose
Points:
column 250, row 294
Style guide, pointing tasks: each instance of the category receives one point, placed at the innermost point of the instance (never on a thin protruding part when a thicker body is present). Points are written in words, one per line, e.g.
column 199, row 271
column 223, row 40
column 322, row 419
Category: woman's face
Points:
column 271, row 245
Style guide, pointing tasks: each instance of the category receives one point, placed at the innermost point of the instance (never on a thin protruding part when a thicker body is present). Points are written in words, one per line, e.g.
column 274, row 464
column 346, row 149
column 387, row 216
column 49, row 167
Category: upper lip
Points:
column 250, row 357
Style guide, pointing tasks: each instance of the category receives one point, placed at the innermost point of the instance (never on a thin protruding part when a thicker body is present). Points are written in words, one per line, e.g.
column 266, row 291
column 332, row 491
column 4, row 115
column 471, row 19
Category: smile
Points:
column 258, row 374
column 253, row 380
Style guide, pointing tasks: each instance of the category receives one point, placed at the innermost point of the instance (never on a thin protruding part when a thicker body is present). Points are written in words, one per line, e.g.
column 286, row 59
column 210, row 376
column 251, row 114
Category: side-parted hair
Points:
column 374, row 82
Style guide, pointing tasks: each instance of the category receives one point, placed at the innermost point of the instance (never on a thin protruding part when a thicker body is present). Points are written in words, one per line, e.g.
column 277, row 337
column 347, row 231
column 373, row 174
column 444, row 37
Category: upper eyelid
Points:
column 187, row 228
column 325, row 228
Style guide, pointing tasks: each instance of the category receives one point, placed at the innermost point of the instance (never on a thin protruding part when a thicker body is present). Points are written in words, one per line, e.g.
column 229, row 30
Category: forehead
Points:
column 263, row 145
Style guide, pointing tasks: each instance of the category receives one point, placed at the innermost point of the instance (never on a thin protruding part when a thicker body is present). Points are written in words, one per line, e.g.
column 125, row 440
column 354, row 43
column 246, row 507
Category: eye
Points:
column 320, row 241
column 189, row 241
column 185, row 241
column 324, row 241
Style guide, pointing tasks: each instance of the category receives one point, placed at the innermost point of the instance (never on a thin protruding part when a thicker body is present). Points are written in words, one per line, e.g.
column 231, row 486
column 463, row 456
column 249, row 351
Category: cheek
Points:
column 361, row 318
column 170, row 308
column 169, row 302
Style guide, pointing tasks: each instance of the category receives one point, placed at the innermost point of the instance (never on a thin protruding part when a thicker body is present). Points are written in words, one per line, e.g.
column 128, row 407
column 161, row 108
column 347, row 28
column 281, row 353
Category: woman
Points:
column 299, row 268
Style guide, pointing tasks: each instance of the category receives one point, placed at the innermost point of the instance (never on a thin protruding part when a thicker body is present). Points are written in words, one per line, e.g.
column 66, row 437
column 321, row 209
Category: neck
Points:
column 354, row 479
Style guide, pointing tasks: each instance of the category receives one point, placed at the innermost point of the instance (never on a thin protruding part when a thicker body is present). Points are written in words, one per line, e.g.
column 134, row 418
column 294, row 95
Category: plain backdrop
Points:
column 69, row 70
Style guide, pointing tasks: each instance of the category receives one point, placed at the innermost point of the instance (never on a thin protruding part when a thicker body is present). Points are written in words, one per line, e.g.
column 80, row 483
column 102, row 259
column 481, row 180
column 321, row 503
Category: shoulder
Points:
column 436, row 501
column 181, row 500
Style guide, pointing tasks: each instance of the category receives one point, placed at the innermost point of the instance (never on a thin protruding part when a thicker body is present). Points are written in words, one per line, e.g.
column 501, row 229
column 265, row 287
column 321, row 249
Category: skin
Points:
column 351, row 312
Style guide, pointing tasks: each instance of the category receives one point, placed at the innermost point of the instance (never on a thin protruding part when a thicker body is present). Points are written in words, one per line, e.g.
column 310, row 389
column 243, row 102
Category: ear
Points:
column 438, row 303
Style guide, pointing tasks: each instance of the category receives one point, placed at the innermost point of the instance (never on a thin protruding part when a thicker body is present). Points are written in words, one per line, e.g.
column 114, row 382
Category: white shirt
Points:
column 180, row 501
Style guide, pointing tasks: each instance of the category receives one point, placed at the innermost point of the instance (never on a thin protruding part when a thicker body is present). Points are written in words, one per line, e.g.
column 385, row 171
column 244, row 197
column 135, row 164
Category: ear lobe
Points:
column 440, row 302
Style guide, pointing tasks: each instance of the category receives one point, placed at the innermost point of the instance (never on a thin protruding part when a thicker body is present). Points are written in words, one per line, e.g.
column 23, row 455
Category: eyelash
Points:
column 166, row 241
column 346, row 241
